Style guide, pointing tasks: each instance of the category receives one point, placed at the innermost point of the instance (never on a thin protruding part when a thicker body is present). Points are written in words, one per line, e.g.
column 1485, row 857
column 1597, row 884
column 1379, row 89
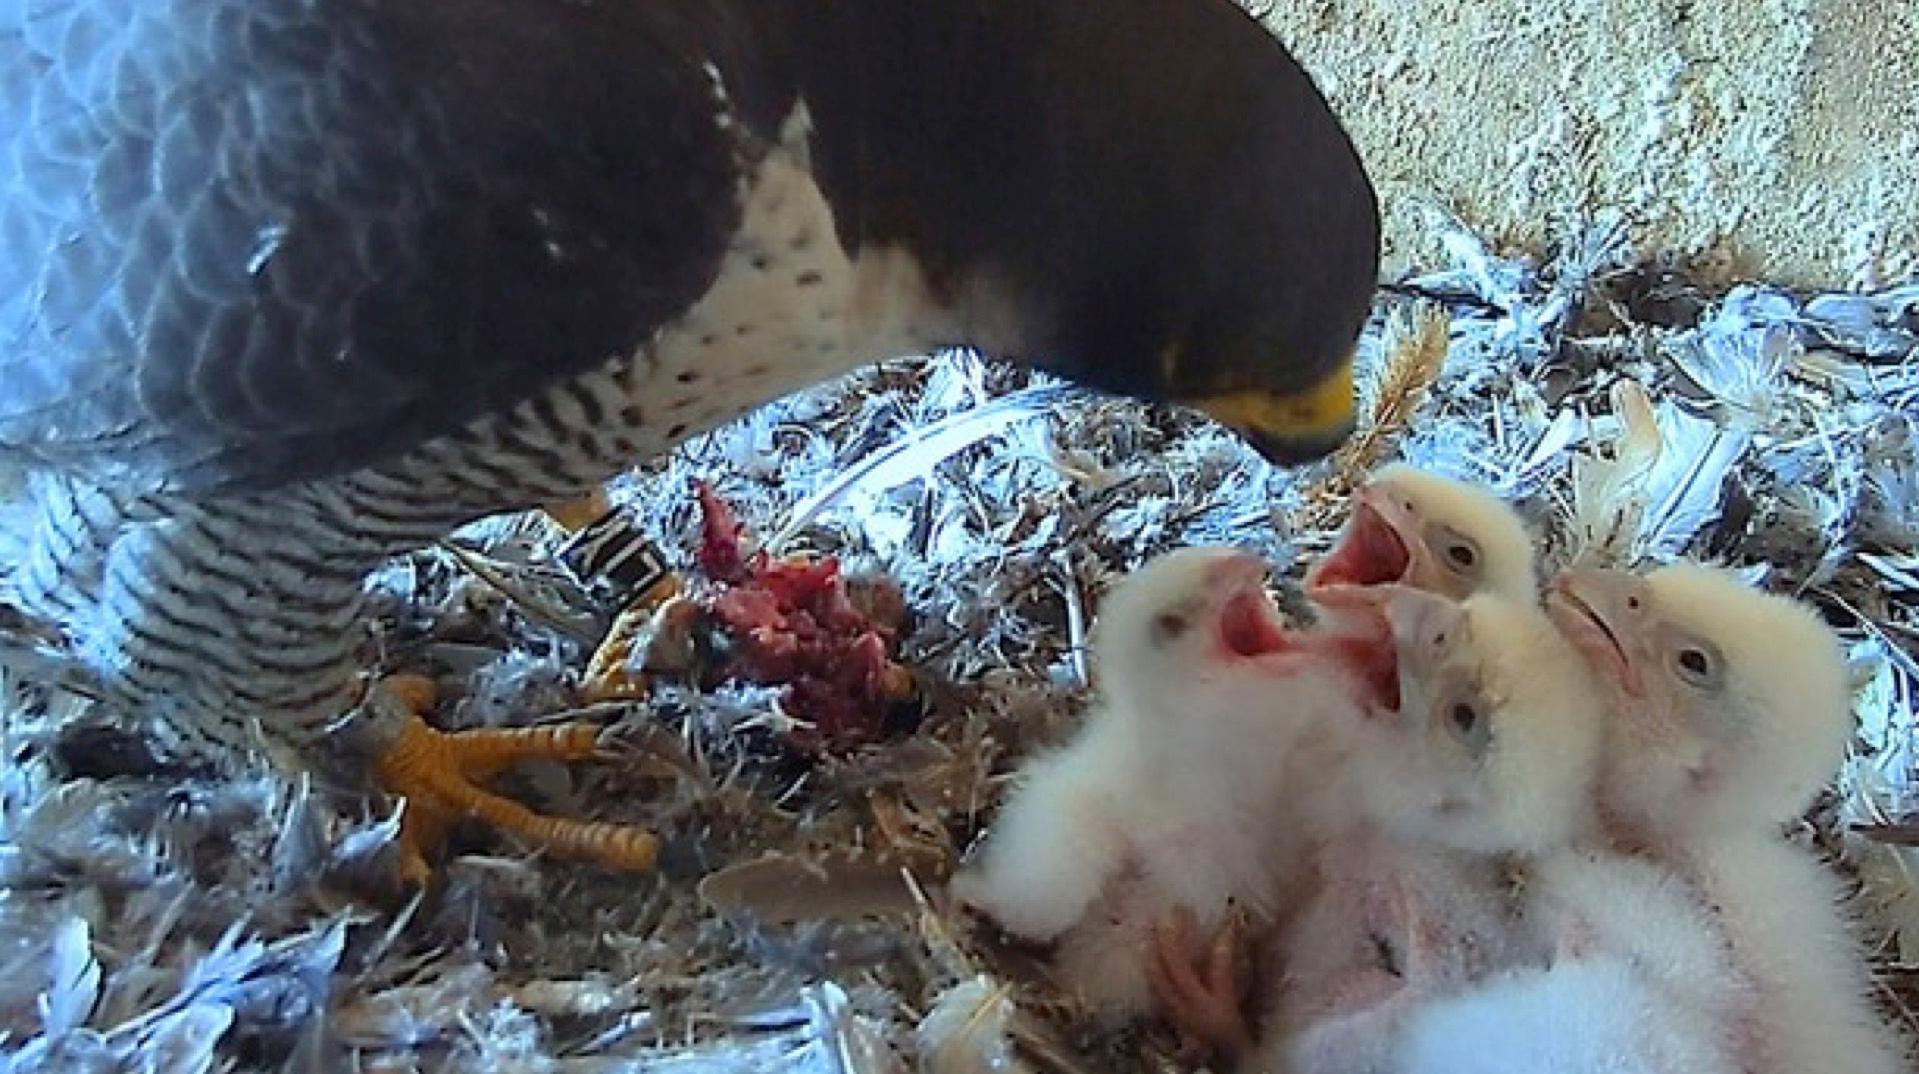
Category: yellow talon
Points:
column 615, row 671
column 434, row 770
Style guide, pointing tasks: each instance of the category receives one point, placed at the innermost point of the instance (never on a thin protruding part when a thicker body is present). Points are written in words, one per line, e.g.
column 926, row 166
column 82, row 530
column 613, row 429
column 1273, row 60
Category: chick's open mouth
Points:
column 1368, row 650
column 1360, row 641
column 1250, row 625
column 1370, row 552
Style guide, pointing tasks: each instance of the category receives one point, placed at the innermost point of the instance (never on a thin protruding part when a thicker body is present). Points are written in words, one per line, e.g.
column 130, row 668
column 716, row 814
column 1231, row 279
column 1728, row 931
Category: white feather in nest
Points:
column 1608, row 480
column 1475, row 274
column 1522, row 321
column 957, row 382
column 969, row 1030
column 285, row 983
column 1512, row 456
column 821, row 1033
column 1879, row 787
column 75, row 986
column 915, row 454
column 1891, row 515
column 1883, row 327
column 1655, row 477
column 1682, row 492
column 15, row 523
column 1737, row 363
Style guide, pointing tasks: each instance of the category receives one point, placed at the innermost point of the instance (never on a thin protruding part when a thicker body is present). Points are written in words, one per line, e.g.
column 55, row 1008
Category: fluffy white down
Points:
column 1785, row 915
column 1592, row 1016
column 1176, row 792
column 1123, row 825
column 1643, row 984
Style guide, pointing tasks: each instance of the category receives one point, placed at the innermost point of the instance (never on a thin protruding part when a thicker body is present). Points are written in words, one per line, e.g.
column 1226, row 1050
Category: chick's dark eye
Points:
column 1465, row 719
column 1462, row 555
column 1170, row 625
column 1695, row 661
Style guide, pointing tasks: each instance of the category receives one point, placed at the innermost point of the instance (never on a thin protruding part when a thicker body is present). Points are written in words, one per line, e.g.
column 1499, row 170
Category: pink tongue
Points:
column 1369, row 554
column 1364, row 644
column 1247, row 628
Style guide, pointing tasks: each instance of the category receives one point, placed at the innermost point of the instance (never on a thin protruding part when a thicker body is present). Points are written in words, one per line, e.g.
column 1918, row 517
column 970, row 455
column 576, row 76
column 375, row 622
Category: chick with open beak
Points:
column 1482, row 752
column 1416, row 528
column 1174, row 794
column 1492, row 745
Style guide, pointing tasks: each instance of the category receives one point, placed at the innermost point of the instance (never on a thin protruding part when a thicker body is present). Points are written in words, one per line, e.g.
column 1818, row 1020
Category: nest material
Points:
column 236, row 921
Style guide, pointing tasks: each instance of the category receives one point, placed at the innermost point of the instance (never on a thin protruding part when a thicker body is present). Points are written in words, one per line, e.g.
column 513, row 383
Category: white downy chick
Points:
column 1733, row 704
column 1171, row 797
column 1415, row 528
column 1641, row 981
column 1730, row 710
column 1495, row 736
column 1594, row 1016
column 1488, row 757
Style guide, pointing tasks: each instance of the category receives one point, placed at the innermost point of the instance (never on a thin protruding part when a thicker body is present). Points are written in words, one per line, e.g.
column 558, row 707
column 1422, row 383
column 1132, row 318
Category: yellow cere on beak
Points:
column 1290, row 428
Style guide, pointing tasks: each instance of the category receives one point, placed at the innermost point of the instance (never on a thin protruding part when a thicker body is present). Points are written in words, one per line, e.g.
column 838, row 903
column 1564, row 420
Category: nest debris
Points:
column 237, row 921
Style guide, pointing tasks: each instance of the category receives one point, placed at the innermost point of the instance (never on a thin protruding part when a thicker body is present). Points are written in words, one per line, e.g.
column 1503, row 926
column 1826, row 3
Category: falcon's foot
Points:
column 438, row 773
column 1204, row 1000
column 654, row 634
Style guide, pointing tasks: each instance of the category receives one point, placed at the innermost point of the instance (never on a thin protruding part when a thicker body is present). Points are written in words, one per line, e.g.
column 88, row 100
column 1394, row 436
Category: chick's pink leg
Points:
column 1204, row 1002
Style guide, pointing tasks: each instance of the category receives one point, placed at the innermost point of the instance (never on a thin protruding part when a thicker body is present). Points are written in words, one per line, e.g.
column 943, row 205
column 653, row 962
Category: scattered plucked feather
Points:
column 1883, row 327
column 75, row 985
column 1738, row 370
column 847, row 1041
column 1682, row 489
column 1880, row 786
column 915, row 454
column 301, row 847
column 785, row 889
column 1892, row 483
column 969, row 1030
column 1901, row 573
column 1609, row 479
column 184, row 1043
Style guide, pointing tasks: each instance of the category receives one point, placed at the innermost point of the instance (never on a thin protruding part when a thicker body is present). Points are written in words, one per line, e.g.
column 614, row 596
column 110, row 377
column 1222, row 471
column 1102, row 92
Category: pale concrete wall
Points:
column 1777, row 138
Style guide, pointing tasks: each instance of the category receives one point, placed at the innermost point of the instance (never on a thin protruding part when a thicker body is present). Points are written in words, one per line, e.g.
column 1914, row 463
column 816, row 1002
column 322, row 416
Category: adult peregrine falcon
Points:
column 290, row 286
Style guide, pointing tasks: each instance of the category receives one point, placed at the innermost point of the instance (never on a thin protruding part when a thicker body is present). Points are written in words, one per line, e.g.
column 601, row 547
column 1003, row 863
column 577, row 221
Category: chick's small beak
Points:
column 1596, row 611
column 1414, row 619
column 1238, row 570
column 1419, row 617
column 1249, row 622
column 1289, row 428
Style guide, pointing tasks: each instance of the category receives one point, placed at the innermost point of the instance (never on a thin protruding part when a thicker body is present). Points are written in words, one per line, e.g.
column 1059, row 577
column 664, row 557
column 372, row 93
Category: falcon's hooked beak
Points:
column 1289, row 428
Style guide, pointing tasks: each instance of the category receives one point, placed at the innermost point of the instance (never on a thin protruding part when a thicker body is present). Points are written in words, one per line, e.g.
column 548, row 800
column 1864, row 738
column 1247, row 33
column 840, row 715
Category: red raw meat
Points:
column 720, row 537
column 792, row 624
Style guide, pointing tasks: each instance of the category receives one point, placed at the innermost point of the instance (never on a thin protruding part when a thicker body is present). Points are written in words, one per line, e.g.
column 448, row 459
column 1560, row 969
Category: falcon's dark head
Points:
column 1153, row 194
